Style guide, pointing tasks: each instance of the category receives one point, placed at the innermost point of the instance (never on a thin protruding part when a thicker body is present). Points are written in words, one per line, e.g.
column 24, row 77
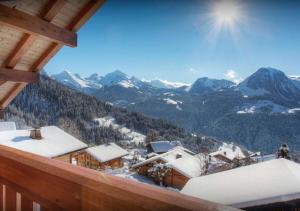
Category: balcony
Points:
column 33, row 182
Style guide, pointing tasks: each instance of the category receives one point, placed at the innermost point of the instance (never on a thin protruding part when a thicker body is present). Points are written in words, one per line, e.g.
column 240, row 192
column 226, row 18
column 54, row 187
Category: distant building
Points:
column 159, row 147
column 181, row 166
column 270, row 185
column 228, row 152
column 6, row 126
column 54, row 143
column 102, row 157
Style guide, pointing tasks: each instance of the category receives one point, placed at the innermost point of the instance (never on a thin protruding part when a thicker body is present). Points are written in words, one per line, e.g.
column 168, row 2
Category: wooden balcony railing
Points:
column 32, row 182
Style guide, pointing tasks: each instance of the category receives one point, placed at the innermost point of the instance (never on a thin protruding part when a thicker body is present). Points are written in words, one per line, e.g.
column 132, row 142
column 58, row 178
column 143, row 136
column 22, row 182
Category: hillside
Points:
column 260, row 113
column 51, row 103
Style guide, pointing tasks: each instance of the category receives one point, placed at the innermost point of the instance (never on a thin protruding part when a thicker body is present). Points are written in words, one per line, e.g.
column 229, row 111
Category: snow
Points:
column 55, row 142
column 262, row 106
column 249, row 186
column 164, row 84
column 293, row 110
column 188, row 165
column 5, row 126
column 106, row 152
column 296, row 80
column 229, row 150
column 133, row 136
column 171, row 101
column 161, row 146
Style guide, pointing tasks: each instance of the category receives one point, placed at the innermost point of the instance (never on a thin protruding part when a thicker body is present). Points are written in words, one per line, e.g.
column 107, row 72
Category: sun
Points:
column 226, row 12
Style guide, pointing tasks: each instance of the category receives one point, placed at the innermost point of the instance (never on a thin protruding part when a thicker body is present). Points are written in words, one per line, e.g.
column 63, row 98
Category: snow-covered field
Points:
column 131, row 136
column 263, row 106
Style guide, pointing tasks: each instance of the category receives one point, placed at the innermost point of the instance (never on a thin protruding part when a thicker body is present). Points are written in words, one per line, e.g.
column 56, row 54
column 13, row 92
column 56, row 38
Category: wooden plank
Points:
column 78, row 21
column 14, row 75
column 1, row 196
column 24, row 44
column 26, row 203
column 51, row 9
column 85, row 14
column 72, row 187
column 10, row 198
column 48, row 13
column 37, row 26
column 12, row 94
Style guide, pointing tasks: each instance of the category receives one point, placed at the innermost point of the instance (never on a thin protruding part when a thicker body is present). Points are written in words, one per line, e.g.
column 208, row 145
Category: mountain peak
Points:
column 269, row 81
column 207, row 84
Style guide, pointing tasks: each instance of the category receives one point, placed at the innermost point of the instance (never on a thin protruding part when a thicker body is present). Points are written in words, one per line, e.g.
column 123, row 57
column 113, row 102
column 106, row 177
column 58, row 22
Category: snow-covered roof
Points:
column 230, row 151
column 188, row 165
column 258, row 184
column 106, row 152
column 5, row 126
column 55, row 142
column 161, row 146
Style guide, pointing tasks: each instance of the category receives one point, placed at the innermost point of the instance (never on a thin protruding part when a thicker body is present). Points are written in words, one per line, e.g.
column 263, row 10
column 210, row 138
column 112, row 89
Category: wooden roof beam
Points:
column 19, row 76
column 78, row 21
column 37, row 26
column 48, row 13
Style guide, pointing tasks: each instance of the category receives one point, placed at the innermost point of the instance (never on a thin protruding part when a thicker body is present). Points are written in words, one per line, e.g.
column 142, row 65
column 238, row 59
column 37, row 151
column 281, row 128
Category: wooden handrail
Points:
column 56, row 185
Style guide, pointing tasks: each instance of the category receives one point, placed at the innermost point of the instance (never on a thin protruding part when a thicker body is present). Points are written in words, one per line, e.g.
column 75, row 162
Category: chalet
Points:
column 159, row 147
column 228, row 152
column 52, row 142
column 270, row 185
column 102, row 157
column 181, row 167
column 5, row 126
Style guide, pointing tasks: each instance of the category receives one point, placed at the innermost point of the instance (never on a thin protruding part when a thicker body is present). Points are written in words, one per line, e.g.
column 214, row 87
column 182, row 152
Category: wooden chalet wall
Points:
column 86, row 160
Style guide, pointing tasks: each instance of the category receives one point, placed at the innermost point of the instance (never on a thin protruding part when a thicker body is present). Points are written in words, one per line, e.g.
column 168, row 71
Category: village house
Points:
column 229, row 152
column 102, row 157
column 269, row 185
column 180, row 166
column 50, row 142
column 159, row 147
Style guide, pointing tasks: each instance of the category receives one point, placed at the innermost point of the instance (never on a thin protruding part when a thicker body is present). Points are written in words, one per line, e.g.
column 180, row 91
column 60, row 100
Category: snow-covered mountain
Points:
column 206, row 84
column 296, row 80
column 115, row 78
column 265, row 106
column 272, row 82
column 73, row 80
column 164, row 84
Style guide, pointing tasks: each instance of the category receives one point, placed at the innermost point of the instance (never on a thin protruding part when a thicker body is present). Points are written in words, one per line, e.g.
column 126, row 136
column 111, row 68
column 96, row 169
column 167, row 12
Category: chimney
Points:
column 178, row 156
column 36, row 134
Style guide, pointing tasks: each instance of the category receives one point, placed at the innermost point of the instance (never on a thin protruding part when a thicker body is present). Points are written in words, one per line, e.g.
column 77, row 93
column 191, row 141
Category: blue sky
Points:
column 175, row 40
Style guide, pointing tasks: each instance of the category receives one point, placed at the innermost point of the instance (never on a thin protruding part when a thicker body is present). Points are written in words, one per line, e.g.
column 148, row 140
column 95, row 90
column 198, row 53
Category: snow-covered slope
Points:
column 296, row 80
column 207, row 84
column 68, row 78
column 164, row 84
column 272, row 82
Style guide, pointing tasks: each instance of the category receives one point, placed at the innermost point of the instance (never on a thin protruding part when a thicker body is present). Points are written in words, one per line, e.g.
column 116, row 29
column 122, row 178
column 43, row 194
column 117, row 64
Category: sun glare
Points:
column 225, row 16
column 226, row 12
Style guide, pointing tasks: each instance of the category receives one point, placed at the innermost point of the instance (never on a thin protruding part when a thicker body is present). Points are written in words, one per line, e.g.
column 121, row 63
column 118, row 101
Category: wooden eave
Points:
column 31, row 33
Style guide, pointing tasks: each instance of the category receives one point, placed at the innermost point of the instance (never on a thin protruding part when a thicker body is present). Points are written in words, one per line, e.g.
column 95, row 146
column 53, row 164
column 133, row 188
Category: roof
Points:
column 230, row 151
column 55, row 142
column 161, row 146
column 4, row 126
column 258, row 184
column 106, row 152
column 188, row 165
column 31, row 33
